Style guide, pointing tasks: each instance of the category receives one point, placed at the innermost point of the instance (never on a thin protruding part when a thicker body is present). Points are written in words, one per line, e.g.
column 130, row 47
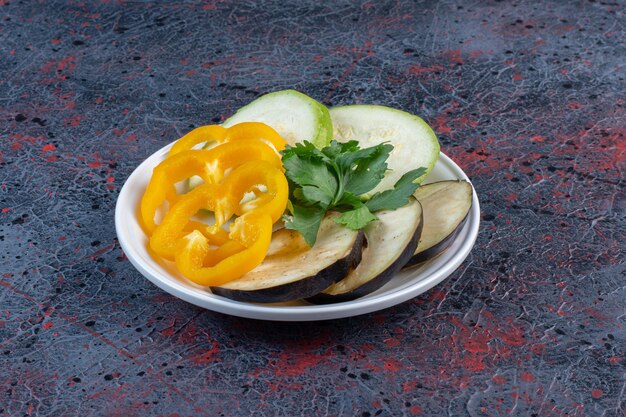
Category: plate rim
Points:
column 352, row 308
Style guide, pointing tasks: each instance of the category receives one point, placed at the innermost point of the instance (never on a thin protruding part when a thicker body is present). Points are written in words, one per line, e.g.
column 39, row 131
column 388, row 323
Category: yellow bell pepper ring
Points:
column 258, row 131
column 210, row 165
column 164, row 239
column 211, row 133
column 224, row 200
column 229, row 248
column 219, row 134
column 217, row 236
column 248, row 178
column 243, row 175
column 253, row 231
column 233, row 154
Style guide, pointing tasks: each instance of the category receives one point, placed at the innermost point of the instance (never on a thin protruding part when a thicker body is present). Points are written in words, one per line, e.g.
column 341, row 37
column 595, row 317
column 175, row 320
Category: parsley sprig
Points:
column 338, row 177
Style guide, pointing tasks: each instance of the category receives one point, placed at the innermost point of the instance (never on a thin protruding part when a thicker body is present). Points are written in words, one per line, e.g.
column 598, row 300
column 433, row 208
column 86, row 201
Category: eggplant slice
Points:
column 446, row 207
column 391, row 241
column 292, row 270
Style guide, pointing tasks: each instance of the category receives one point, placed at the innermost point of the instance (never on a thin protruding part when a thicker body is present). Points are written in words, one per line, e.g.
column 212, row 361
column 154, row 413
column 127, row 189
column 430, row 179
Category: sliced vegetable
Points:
column 446, row 207
column 391, row 241
column 414, row 142
column 202, row 134
column 215, row 134
column 295, row 116
column 292, row 270
column 241, row 176
column 164, row 240
column 250, row 236
column 224, row 200
column 211, row 165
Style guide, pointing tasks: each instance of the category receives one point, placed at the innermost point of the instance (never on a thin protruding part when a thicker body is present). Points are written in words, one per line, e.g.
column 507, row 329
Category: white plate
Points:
column 404, row 286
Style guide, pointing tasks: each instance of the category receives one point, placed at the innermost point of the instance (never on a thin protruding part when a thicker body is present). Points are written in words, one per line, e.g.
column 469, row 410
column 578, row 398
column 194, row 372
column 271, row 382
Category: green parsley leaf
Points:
column 399, row 195
column 356, row 219
column 306, row 149
column 366, row 168
column 349, row 200
column 312, row 195
column 346, row 160
column 305, row 220
column 335, row 148
column 314, row 177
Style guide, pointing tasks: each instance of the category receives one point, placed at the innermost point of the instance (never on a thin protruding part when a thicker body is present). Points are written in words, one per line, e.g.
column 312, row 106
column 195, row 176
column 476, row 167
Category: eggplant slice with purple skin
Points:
column 446, row 207
column 391, row 241
column 292, row 270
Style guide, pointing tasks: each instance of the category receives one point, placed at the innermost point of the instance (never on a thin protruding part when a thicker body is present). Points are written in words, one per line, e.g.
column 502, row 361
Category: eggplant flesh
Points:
column 446, row 207
column 391, row 241
column 292, row 270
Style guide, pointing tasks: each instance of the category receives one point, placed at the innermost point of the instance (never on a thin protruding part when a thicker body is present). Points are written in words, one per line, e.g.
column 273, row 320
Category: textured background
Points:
column 528, row 99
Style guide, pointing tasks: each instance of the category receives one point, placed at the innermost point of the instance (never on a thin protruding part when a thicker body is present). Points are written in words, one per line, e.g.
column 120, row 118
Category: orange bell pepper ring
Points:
column 216, row 236
column 229, row 248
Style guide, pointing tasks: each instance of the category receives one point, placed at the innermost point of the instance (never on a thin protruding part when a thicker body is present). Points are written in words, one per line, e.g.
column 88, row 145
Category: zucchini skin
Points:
column 321, row 115
column 305, row 287
column 382, row 278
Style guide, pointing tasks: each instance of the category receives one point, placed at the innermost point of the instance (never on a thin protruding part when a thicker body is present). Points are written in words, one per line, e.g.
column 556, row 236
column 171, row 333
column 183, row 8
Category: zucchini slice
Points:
column 414, row 142
column 295, row 116
column 391, row 241
column 293, row 271
column 446, row 207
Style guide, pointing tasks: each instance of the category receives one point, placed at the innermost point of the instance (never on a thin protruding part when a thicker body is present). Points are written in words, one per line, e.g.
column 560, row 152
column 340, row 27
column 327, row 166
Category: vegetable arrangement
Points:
column 344, row 182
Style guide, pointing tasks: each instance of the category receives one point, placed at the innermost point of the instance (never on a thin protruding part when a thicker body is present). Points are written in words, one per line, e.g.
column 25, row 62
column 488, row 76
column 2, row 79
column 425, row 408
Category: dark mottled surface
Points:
column 528, row 98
